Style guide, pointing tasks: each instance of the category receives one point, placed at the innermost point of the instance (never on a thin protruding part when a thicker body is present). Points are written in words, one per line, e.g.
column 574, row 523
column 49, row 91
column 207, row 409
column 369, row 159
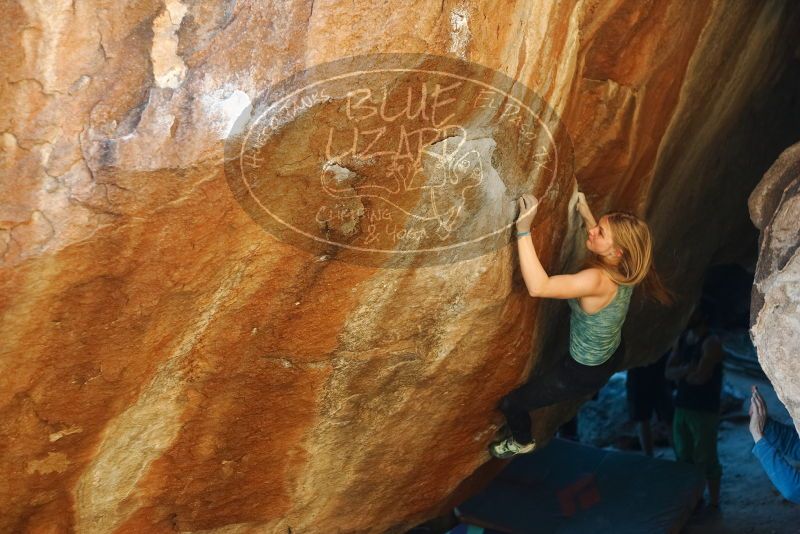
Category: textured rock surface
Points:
column 775, row 306
column 167, row 365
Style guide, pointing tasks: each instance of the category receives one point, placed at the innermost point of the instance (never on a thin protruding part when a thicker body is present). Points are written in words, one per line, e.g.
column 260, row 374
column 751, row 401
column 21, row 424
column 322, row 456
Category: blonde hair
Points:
column 632, row 236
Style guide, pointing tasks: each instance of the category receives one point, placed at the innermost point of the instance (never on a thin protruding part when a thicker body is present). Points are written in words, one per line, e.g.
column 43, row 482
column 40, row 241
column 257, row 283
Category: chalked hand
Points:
column 527, row 204
column 581, row 204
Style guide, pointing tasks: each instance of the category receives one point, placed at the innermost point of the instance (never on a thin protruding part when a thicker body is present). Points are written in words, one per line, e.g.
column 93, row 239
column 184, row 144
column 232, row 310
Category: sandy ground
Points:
column 749, row 503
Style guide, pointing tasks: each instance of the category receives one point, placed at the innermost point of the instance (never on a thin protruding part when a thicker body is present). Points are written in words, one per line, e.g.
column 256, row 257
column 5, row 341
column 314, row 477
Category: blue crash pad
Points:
column 569, row 488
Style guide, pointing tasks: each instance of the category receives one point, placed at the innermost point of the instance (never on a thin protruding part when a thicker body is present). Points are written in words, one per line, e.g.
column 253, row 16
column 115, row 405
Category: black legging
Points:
column 568, row 380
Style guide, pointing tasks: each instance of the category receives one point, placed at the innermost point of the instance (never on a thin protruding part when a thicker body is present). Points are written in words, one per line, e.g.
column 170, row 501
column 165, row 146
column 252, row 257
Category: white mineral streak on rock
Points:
column 169, row 69
column 223, row 107
column 564, row 69
column 140, row 434
column 42, row 49
column 460, row 35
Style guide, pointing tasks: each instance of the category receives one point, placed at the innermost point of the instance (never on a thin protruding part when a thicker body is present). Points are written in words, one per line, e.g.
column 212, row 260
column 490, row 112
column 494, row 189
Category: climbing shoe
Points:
column 506, row 448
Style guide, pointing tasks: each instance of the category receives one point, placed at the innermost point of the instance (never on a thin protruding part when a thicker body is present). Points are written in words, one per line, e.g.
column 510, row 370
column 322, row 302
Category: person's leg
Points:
column 640, row 407
column 646, row 437
column 647, row 402
column 663, row 428
column 518, row 419
column 705, row 427
column 567, row 380
column 665, row 411
column 714, row 485
column 517, row 404
column 572, row 380
column 536, row 393
column 682, row 437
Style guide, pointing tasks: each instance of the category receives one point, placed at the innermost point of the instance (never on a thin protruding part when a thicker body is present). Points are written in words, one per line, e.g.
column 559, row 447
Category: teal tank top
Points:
column 593, row 338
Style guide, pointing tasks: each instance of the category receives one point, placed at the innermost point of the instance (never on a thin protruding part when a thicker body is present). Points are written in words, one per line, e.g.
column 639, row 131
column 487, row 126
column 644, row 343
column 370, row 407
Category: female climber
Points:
column 620, row 257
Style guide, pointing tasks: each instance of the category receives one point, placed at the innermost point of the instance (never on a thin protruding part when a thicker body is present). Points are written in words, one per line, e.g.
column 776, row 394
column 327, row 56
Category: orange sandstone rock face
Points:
column 167, row 364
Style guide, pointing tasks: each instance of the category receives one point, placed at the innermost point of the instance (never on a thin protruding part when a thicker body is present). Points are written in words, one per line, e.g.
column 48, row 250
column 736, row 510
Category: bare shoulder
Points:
column 591, row 273
column 594, row 277
column 602, row 278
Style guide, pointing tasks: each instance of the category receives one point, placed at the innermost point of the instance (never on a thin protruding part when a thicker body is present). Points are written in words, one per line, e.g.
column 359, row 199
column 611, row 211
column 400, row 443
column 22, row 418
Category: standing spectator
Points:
column 696, row 365
column 647, row 391
column 775, row 445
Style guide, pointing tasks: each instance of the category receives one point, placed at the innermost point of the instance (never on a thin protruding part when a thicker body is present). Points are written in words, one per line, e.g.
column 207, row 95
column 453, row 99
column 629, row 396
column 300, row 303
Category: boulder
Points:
column 775, row 303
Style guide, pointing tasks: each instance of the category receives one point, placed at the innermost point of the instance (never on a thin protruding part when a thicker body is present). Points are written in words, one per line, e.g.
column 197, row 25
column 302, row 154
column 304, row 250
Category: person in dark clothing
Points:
column 776, row 445
column 648, row 392
column 696, row 365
